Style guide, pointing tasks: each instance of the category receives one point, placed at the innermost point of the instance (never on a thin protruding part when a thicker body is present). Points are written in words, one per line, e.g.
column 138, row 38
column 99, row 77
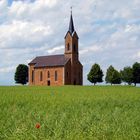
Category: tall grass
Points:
column 70, row 112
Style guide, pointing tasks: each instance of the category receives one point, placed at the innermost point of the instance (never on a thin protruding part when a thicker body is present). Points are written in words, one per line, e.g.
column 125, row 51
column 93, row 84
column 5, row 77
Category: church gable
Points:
column 75, row 35
column 68, row 35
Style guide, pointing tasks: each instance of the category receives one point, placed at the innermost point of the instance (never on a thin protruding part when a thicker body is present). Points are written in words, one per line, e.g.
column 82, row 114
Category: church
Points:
column 59, row 70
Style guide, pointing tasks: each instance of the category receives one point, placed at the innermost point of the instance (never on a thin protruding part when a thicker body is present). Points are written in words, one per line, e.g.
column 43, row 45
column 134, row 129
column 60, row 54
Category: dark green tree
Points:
column 21, row 74
column 127, row 75
column 136, row 73
column 116, row 77
column 112, row 76
column 109, row 72
column 96, row 74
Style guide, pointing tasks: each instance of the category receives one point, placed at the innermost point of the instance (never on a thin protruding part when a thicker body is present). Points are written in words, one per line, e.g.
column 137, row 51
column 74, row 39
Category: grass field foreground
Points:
column 70, row 112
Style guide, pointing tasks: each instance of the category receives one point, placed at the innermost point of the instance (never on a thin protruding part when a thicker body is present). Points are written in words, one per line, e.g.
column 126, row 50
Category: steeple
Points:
column 71, row 24
column 71, row 42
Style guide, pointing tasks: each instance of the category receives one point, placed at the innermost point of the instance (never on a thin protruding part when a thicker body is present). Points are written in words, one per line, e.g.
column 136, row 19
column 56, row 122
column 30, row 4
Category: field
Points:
column 73, row 113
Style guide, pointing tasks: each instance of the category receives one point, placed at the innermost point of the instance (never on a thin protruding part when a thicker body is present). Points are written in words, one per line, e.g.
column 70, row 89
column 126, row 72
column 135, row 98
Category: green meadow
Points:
column 70, row 113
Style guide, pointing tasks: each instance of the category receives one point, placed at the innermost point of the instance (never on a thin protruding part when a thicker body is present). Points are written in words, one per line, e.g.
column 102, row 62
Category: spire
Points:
column 71, row 24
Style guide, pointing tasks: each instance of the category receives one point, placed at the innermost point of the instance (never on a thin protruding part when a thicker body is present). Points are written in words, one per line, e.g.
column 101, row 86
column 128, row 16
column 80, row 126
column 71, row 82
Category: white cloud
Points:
column 22, row 34
column 138, row 54
column 55, row 50
column 7, row 69
column 90, row 49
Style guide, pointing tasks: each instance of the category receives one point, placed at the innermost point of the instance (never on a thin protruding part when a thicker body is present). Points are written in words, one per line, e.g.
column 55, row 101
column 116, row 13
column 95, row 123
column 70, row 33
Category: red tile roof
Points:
column 50, row 61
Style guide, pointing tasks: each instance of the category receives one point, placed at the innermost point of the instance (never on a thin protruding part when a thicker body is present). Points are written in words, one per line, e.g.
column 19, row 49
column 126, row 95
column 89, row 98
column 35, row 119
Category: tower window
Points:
column 68, row 47
column 48, row 74
column 67, row 74
column 55, row 75
column 74, row 48
column 32, row 76
column 41, row 76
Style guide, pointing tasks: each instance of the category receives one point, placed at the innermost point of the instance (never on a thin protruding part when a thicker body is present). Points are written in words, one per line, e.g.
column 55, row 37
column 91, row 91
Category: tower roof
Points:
column 71, row 24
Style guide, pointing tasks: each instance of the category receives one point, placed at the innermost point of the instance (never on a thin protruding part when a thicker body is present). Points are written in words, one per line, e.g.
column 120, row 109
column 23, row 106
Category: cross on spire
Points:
column 71, row 10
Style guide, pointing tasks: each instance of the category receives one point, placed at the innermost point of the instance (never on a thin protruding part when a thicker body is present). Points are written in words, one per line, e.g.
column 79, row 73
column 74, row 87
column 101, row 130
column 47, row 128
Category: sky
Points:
column 109, row 32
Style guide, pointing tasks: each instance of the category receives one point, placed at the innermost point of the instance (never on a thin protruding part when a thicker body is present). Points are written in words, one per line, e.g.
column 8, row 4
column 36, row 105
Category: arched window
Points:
column 74, row 48
column 68, row 47
column 41, row 76
column 55, row 75
column 48, row 74
column 32, row 76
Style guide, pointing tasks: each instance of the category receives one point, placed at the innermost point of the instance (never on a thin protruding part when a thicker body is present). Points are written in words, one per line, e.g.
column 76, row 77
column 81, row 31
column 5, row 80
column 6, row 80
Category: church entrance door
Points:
column 48, row 83
column 74, row 82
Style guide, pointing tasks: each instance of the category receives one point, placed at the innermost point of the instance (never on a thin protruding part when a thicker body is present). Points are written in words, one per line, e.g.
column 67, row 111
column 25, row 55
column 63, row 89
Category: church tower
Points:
column 72, row 52
column 71, row 42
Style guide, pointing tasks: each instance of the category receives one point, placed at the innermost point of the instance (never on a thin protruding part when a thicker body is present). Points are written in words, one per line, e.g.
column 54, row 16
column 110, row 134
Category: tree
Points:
column 136, row 73
column 112, row 76
column 96, row 74
column 21, row 74
column 109, row 72
column 127, row 75
column 116, row 77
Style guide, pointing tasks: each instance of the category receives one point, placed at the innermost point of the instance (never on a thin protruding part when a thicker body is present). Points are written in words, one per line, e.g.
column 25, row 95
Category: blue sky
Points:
column 10, row 1
column 109, row 32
